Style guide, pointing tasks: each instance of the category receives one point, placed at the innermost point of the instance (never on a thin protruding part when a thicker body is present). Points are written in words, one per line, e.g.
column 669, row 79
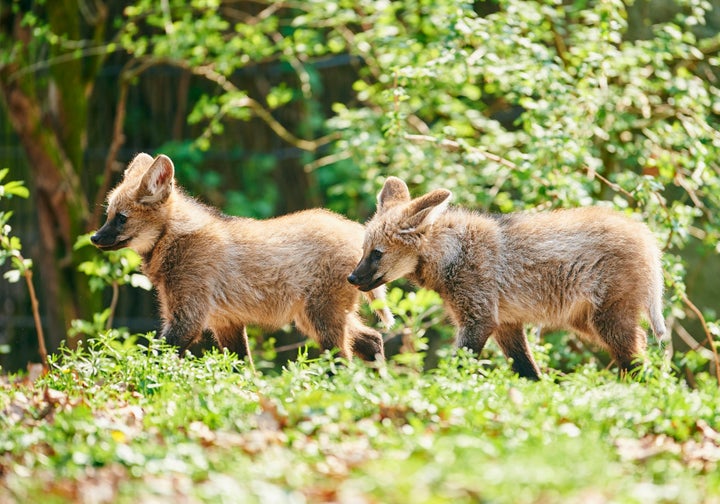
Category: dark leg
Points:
column 514, row 344
column 180, row 333
column 618, row 329
column 235, row 339
column 473, row 335
column 325, row 323
column 366, row 343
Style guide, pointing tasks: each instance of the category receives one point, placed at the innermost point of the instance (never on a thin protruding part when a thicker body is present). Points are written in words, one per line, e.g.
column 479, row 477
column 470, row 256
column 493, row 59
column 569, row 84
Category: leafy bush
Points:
column 10, row 248
column 512, row 105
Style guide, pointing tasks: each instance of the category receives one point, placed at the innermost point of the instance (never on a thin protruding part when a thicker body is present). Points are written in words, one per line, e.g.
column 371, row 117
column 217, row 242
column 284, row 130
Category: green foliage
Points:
column 116, row 267
column 512, row 105
column 128, row 415
column 99, row 324
column 537, row 105
column 10, row 246
column 420, row 316
column 113, row 269
column 254, row 198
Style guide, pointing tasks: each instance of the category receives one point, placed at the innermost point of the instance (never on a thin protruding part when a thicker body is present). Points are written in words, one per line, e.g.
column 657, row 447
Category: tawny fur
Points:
column 591, row 270
column 221, row 273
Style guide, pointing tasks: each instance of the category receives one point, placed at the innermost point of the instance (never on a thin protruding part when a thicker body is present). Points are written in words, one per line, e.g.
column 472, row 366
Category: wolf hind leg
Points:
column 514, row 344
column 326, row 324
column 235, row 339
column 618, row 329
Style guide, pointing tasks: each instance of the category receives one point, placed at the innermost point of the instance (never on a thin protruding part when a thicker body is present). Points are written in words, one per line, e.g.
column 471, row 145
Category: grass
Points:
column 122, row 422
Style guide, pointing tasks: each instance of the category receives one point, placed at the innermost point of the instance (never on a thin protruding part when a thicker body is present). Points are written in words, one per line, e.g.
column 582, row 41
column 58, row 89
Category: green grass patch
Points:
column 129, row 422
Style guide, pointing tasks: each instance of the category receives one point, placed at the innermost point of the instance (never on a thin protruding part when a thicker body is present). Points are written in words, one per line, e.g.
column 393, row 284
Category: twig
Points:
column 708, row 334
column 691, row 342
column 62, row 58
column 261, row 112
column 113, row 305
column 297, row 65
column 127, row 74
column 326, row 160
column 36, row 317
column 291, row 346
column 453, row 146
column 612, row 185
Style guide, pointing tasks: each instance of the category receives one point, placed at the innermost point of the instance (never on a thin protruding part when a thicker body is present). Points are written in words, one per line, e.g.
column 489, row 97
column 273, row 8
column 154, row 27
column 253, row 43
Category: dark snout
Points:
column 363, row 276
column 108, row 237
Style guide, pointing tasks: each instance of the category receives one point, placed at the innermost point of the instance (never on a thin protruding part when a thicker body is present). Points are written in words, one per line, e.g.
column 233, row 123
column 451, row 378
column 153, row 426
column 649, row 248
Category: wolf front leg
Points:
column 235, row 339
column 181, row 332
column 473, row 334
column 512, row 341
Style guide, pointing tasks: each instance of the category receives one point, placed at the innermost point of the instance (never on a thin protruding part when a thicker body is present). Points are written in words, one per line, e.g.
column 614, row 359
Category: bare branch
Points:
column 260, row 111
column 612, row 185
column 42, row 350
column 708, row 334
column 453, row 146
column 327, row 160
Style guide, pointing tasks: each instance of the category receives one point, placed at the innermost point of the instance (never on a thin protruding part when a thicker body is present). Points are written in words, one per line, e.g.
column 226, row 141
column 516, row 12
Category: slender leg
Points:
column 181, row 332
column 235, row 339
column 473, row 335
column 514, row 344
column 366, row 343
column 325, row 323
column 618, row 329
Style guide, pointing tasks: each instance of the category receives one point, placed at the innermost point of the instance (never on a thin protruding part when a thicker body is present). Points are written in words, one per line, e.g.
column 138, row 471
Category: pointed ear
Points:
column 157, row 183
column 393, row 192
column 139, row 163
column 425, row 210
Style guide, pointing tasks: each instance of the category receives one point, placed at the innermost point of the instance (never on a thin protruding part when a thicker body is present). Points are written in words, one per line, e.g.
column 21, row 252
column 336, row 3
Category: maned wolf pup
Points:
column 591, row 270
column 220, row 273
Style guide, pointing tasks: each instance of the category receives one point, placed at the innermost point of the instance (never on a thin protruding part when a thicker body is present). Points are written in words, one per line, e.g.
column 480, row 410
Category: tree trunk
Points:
column 61, row 211
column 48, row 113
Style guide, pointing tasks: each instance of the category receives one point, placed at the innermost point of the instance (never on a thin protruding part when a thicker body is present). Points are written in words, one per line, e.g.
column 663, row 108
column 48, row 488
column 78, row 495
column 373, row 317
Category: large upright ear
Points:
column 157, row 183
column 393, row 192
column 425, row 210
column 138, row 165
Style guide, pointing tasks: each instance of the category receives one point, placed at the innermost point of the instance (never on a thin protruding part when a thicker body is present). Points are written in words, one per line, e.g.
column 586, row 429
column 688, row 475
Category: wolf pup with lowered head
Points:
column 591, row 270
column 220, row 273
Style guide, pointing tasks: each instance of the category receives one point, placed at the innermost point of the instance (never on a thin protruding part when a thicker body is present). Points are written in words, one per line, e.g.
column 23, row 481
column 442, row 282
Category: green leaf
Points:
column 16, row 188
column 279, row 96
column 141, row 281
column 82, row 241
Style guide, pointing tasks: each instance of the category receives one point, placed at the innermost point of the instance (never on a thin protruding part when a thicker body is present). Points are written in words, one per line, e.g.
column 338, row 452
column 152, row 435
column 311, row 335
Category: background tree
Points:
column 46, row 80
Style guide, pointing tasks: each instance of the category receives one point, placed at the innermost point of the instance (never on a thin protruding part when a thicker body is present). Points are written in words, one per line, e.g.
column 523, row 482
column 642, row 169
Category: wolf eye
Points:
column 376, row 255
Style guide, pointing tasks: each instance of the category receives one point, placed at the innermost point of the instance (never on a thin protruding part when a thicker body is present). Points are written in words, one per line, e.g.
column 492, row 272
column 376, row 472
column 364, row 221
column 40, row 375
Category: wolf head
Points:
column 137, row 207
column 394, row 234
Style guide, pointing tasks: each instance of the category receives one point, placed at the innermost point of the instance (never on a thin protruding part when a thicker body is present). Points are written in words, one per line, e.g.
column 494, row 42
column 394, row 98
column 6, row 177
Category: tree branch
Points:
column 260, row 111
column 42, row 350
column 453, row 146
column 708, row 334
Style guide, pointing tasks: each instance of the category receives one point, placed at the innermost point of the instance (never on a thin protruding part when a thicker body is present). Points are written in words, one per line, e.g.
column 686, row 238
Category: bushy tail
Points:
column 655, row 302
column 384, row 313
column 657, row 322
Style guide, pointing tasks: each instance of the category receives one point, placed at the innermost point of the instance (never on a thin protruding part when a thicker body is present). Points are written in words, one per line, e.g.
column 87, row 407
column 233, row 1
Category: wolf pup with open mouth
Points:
column 591, row 270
